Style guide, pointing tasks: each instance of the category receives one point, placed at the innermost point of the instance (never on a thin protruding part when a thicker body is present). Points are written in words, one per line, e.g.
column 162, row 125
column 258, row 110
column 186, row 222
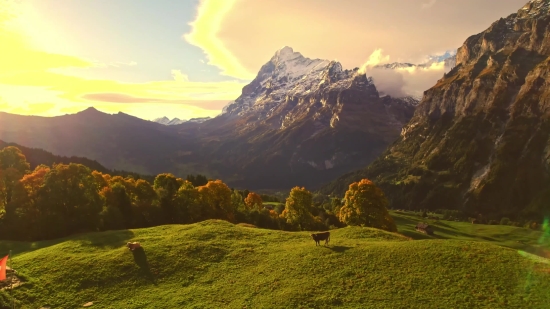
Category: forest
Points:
column 64, row 199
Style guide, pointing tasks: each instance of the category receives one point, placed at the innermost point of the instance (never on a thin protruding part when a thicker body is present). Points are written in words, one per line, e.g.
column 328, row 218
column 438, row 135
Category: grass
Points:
column 503, row 235
column 215, row 264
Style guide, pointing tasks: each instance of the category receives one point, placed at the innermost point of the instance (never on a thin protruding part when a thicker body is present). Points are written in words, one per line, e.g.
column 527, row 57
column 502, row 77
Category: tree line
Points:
column 63, row 199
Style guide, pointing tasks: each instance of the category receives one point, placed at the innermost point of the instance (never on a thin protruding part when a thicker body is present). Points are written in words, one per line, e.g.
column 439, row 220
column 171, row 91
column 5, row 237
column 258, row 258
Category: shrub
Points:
column 505, row 221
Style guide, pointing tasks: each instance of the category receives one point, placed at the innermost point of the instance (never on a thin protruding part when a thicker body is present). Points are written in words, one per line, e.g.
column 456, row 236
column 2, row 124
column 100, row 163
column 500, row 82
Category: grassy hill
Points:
column 215, row 264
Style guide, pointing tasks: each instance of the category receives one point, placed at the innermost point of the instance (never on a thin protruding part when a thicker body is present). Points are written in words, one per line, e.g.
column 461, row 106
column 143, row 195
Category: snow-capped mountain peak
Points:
column 289, row 74
column 167, row 122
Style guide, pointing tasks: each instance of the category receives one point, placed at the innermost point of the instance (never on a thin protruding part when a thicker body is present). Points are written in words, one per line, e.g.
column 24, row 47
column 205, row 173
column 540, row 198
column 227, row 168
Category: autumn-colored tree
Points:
column 365, row 204
column 101, row 179
column 216, row 199
column 12, row 157
column 254, row 201
column 298, row 208
column 68, row 201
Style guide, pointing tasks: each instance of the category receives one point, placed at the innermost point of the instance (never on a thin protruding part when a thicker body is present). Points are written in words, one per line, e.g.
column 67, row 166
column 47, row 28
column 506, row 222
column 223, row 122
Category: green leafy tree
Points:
column 13, row 165
column 147, row 211
column 198, row 180
column 68, row 201
column 23, row 215
column 237, row 201
column 167, row 186
column 188, row 205
column 365, row 204
column 298, row 208
column 118, row 198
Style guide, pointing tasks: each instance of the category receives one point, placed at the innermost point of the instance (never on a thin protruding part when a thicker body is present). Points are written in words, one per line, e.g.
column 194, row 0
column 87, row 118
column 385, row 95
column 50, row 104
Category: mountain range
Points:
column 301, row 121
column 479, row 139
column 166, row 121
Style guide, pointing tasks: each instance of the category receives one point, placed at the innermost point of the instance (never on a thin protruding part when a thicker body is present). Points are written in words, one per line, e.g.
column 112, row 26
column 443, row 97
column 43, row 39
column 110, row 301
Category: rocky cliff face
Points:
column 480, row 138
column 302, row 121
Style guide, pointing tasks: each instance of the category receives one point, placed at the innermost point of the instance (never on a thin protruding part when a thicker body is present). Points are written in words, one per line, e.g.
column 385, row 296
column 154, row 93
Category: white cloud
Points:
column 374, row 59
column 179, row 76
column 401, row 82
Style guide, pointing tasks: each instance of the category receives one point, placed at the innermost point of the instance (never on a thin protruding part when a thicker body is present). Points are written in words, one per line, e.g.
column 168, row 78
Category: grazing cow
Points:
column 133, row 245
column 321, row 236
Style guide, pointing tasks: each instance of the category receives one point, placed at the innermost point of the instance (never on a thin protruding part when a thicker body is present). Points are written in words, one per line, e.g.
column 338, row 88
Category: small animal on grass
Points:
column 133, row 245
column 321, row 236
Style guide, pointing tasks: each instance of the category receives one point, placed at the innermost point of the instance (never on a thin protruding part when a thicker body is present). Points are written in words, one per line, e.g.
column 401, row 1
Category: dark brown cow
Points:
column 321, row 236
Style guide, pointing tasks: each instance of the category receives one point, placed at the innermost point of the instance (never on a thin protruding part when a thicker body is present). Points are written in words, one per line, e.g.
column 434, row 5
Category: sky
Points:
column 189, row 58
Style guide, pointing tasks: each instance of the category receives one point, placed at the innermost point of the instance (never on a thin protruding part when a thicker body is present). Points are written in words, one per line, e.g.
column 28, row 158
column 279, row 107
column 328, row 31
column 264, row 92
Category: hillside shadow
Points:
column 338, row 249
column 140, row 258
column 420, row 236
column 441, row 224
column 107, row 239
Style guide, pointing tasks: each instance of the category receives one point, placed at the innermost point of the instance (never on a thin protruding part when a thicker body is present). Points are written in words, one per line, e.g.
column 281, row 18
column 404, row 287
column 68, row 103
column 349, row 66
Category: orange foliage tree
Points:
column 253, row 201
column 216, row 200
column 365, row 204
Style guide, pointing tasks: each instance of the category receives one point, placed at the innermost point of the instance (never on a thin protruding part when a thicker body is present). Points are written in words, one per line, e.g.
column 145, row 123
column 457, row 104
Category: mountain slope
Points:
column 301, row 121
column 215, row 264
column 479, row 138
column 117, row 141
column 37, row 157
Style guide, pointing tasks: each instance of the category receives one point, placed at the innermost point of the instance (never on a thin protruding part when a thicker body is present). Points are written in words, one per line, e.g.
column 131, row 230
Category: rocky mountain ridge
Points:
column 479, row 139
column 301, row 117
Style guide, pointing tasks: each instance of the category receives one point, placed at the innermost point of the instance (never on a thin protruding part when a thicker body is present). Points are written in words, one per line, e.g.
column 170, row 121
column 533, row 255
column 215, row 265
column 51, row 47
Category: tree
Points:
column 188, row 207
column 237, row 201
column 12, row 157
column 68, row 201
column 101, row 179
column 365, row 204
column 254, row 201
column 117, row 197
column 197, row 181
column 298, row 208
column 22, row 214
column 216, row 199
column 13, row 165
column 166, row 186
column 147, row 211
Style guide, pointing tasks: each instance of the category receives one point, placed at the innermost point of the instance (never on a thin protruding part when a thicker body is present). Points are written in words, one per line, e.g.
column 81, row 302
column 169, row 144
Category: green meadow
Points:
column 216, row 264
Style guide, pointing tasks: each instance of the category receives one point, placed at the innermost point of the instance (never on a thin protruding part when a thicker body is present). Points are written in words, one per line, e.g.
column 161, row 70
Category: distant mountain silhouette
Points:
column 36, row 157
column 118, row 141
